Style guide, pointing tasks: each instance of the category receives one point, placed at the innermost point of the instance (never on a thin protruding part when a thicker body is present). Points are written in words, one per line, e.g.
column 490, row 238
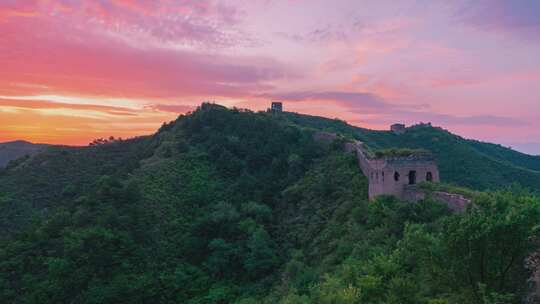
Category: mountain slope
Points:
column 230, row 206
column 463, row 162
column 12, row 150
column 516, row 158
column 189, row 209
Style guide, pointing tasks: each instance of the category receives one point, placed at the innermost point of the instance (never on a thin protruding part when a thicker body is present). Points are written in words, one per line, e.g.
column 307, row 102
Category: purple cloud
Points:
column 412, row 117
column 204, row 23
column 368, row 103
column 518, row 17
column 445, row 119
column 352, row 100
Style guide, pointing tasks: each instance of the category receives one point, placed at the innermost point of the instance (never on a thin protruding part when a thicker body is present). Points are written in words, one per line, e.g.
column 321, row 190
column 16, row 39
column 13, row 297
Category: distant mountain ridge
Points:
column 464, row 162
column 14, row 149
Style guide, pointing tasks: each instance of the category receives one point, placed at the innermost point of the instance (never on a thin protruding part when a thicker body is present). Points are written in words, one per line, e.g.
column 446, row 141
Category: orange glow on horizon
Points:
column 73, row 71
column 74, row 124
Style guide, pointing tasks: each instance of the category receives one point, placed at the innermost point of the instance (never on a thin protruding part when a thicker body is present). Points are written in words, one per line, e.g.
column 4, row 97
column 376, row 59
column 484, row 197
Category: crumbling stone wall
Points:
column 325, row 137
column 390, row 176
column 533, row 264
column 456, row 202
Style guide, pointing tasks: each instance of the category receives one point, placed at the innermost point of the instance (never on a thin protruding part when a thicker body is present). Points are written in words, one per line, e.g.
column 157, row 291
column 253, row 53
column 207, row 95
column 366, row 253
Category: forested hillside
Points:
column 230, row 206
column 461, row 161
column 15, row 149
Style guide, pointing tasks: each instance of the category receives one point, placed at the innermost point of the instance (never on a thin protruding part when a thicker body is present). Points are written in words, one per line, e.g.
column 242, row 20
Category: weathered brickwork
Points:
column 456, row 202
column 390, row 175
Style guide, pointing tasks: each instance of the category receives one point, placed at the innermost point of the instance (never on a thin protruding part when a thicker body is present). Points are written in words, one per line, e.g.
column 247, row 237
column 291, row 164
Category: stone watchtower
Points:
column 276, row 107
column 398, row 128
column 394, row 174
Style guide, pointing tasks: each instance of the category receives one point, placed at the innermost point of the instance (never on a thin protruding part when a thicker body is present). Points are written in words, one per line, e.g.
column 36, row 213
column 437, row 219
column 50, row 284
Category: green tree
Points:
column 488, row 244
column 261, row 256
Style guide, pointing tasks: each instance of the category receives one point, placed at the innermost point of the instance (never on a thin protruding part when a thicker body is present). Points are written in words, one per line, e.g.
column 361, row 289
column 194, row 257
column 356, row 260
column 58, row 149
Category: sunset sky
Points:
column 74, row 70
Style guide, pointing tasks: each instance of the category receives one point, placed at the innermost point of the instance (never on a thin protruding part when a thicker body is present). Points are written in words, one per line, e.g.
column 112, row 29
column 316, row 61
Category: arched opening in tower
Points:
column 412, row 177
column 429, row 177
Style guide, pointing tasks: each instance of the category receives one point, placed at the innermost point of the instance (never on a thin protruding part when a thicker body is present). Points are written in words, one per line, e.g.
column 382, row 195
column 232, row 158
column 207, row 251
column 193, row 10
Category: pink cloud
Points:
column 173, row 108
column 450, row 82
column 13, row 8
column 355, row 60
column 350, row 100
column 59, row 57
column 178, row 22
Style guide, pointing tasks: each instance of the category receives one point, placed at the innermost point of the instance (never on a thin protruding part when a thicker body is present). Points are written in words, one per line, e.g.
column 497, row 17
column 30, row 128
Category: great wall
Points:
column 399, row 175
column 385, row 178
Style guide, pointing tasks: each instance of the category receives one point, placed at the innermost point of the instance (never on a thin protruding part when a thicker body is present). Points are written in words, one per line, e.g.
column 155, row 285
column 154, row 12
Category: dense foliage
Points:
column 230, row 206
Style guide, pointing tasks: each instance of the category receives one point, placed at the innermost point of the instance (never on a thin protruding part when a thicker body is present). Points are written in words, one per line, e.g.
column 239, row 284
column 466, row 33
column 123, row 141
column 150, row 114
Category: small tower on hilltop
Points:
column 398, row 128
column 276, row 107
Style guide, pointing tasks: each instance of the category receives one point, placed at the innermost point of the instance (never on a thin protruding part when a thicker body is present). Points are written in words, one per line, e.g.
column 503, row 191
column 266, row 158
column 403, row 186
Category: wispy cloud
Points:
column 376, row 110
column 61, row 123
column 352, row 100
column 453, row 120
column 206, row 23
column 519, row 18
column 54, row 56
column 173, row 108
column 135, row 63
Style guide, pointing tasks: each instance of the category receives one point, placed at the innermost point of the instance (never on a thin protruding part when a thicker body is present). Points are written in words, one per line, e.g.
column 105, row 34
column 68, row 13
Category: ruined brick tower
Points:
column 392, row 175
column 276, row 107
column 398, row 128
column 398, row 172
